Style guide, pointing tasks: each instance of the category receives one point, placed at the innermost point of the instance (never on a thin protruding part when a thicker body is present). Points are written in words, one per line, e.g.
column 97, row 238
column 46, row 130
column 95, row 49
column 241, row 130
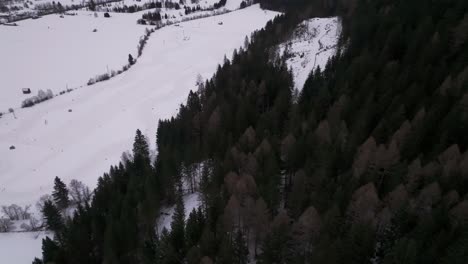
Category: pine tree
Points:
column 140, row 147
column 131, row 60
column 194, row 228
column 52, row 216
column 50, row 251
column 37, row 261
column 178, row 226
column 60, row 194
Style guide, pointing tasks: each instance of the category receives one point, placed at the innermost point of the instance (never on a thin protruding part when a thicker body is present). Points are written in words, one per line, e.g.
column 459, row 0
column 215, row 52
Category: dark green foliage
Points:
column 60, row 194
column 51, row 251
column 178, row 227
column 194, row 227
column 53, row 218
column 37, row 261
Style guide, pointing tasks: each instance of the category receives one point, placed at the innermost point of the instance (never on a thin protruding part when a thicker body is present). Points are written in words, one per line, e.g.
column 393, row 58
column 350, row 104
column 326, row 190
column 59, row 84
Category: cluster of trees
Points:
column 219, row 4
column 39, row 98
column 193, row 9
column 14, row 213
column 367, row 165
column 54, row 208
column 152, row 16
column 136, row 8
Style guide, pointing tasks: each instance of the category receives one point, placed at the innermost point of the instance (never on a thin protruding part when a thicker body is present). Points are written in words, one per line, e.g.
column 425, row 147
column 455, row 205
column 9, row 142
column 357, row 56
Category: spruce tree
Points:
column 52, row 216
column 51, row 251
column 60, row 194
column 37, row 261
column 178, row 225
column 140, row 147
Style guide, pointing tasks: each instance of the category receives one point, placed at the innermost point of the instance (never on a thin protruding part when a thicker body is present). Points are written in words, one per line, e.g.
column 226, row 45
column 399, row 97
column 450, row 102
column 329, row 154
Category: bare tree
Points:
column 42, row 200
column 79, row 192
column 33, row 225
column 6, row 225
column 16, row 212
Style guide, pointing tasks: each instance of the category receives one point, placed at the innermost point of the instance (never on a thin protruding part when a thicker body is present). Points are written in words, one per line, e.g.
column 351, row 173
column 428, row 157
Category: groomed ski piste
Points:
column 80, row 134
column 313, row 42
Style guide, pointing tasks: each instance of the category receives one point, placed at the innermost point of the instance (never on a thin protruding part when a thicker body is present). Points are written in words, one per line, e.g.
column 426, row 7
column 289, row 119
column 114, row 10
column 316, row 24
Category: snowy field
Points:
column 51, row 141
column 313, row 42
column 54, row 52
column 80, row 134
column 60, row 52
column 21, row 248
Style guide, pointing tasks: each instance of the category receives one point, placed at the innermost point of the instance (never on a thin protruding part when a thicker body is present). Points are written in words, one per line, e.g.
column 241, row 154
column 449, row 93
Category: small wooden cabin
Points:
column 26, row 91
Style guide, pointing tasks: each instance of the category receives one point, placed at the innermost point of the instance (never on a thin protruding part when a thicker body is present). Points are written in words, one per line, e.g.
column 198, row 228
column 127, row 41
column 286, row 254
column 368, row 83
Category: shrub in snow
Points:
column 6, row 225
column 12, row 111
column 106, row 15
column 32, row 225
column 99, row 78
column 40, row 97
column 16, row 212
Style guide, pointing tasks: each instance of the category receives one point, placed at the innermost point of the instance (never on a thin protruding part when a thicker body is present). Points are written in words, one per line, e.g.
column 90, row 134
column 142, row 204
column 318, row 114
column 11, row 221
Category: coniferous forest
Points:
column 367, row 164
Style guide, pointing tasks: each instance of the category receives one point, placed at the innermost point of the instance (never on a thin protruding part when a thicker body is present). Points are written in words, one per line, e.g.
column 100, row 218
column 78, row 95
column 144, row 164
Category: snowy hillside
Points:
column 63, row 52
column 80, row 134
column 20, row 248
column 313, row 42
column 56, row 53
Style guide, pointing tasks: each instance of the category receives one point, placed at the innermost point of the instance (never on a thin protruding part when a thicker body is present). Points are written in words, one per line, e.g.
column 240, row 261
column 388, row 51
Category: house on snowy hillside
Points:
column 26, row 91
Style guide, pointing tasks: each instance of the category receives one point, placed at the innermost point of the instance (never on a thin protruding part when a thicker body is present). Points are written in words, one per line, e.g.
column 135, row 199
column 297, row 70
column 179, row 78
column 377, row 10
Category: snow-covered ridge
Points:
column 312, row 43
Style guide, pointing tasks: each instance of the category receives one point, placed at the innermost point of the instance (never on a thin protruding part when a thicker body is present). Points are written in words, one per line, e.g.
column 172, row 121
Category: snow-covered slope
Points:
column 54, row 52
column 313, row 42
column 191, row 201
column 21, row 248
column 80, row 134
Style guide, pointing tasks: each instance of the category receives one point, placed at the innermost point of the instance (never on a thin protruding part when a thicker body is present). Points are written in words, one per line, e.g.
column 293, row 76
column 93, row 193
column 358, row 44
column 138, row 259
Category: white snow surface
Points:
column 82, row 144
column 313, row 42
column 21, row 248
column 191, row 201
column 54, row 52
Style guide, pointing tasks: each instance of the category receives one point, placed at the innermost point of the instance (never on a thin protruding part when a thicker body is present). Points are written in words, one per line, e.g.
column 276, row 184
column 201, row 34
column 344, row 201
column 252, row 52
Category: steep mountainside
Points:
column 369, row 166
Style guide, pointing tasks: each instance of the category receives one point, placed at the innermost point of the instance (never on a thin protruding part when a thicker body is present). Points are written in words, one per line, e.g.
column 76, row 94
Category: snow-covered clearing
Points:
column 54, row 52
column 191, row 201
column 21, row 248
column 313, row 42
column 80, row 134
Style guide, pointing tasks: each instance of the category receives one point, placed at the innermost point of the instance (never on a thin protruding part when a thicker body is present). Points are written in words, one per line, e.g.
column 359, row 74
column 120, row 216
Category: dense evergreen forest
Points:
column 368, row 164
